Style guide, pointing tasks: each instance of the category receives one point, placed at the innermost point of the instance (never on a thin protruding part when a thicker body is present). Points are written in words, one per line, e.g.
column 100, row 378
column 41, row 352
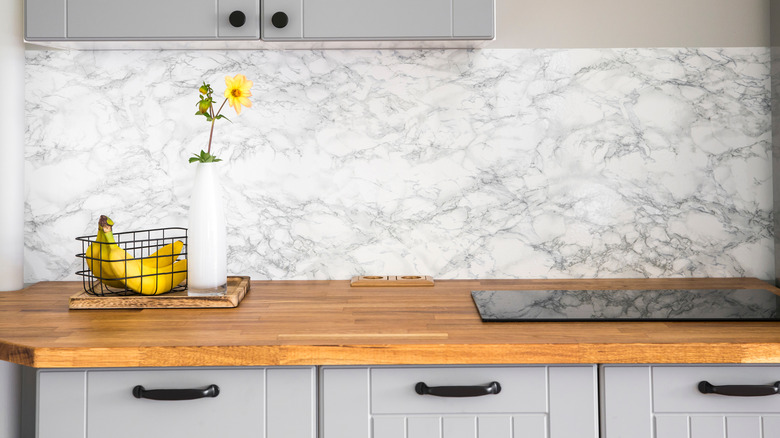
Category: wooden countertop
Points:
column 330, row 323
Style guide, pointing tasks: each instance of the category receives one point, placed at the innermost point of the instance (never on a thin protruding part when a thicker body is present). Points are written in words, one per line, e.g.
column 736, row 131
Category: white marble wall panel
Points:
column 451, row 163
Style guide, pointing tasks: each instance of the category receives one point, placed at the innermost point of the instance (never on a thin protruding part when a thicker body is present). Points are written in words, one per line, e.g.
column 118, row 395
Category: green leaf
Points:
column 204, row 158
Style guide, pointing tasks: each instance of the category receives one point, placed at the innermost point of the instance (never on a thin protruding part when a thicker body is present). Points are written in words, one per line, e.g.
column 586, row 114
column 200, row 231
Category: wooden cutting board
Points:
column 237, row 288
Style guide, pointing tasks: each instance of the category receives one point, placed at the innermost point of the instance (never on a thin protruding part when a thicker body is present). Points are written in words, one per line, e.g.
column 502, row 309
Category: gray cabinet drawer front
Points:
column 112, row 410
column 522, row 390
column 534, row 402
column 675, row 389
column 272, row 402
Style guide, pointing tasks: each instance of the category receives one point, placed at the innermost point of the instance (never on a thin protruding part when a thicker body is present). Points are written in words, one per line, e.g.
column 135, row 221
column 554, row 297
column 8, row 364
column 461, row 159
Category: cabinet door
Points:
column 248, row 402
column 665, row 402
column 379, row 19
column 141, row 19
column 533, row 402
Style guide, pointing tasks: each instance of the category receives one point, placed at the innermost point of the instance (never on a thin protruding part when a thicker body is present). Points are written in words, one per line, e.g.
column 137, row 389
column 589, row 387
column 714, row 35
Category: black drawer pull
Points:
column 457, row 391
column 175, row 394
column 706, row 387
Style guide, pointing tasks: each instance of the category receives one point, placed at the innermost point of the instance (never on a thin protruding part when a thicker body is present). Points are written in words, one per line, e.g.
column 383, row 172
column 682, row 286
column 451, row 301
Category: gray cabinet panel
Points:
column 627, row 402
column 573, row 401
column 142, row 19
column 291, row 405
column 473, row 18
column 249, row 30
column 667, row 427
column 293, row 9
column 501, row 426
column 344, row 403
column 708, row 427
column 44, row 19
column 377, row 19
column 61, row 404
column 771, row 426
column 743, row 426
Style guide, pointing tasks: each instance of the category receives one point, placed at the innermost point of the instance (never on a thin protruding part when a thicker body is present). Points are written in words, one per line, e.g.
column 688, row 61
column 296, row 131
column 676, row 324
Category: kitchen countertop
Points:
column 331, row 323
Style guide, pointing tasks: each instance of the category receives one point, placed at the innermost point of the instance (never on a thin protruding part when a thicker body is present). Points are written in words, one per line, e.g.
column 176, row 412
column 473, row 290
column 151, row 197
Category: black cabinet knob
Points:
column 237, row 18
column 279, row 20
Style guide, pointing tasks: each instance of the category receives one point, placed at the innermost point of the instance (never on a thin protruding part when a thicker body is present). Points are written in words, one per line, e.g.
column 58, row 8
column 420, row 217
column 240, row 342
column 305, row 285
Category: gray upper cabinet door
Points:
column 378, row 19
column 374, row 19
column 141, row 19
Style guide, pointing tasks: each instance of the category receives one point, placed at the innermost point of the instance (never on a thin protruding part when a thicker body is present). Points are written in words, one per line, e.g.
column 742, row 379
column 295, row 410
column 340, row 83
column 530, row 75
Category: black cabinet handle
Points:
column 175, row 394
column 706, row 387
column 457, row 391
column 279, row 20
column 237, row 18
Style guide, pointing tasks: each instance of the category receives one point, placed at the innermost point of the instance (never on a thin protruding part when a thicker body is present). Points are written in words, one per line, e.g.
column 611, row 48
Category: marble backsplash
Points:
column 451, row 163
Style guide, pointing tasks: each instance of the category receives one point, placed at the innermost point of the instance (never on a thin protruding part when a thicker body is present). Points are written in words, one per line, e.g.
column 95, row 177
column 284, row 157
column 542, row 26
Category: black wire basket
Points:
column 144, row 262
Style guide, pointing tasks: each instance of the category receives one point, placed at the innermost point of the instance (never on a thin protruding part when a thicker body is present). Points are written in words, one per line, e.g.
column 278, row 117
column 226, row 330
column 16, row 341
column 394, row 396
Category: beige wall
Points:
column 631, row 23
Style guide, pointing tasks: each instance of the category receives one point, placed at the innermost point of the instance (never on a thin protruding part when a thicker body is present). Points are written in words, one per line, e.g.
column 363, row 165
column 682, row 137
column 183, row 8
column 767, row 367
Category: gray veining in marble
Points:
column 450, row 163
column 662, row 304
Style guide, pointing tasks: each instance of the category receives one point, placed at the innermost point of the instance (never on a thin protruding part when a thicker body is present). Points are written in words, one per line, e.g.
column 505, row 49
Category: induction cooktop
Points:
column 627, row 305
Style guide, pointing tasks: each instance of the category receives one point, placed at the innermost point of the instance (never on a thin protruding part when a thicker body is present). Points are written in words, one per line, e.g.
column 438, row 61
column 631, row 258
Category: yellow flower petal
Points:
column 237, row 91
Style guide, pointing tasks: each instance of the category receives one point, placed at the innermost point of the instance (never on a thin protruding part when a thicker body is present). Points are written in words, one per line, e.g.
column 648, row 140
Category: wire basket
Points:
column 140, row 261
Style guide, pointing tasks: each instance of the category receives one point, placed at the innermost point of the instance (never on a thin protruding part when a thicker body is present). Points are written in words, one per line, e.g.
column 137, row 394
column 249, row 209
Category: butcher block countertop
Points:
column 331, row 323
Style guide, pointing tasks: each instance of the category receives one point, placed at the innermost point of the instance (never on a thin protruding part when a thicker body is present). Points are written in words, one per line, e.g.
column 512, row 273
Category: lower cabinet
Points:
column 459, row 402
column 176, row 402
column 691, row 401
column 553, row 401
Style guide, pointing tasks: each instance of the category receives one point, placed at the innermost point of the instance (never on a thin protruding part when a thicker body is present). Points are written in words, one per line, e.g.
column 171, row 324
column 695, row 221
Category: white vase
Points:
column 206, row 235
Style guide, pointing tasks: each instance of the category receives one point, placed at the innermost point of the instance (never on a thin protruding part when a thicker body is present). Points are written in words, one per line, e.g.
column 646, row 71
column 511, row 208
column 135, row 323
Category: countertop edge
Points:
column 394, row 354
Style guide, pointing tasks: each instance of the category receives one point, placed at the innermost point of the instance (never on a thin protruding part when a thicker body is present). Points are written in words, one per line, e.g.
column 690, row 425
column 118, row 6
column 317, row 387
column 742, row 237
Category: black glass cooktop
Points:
column 627, row 305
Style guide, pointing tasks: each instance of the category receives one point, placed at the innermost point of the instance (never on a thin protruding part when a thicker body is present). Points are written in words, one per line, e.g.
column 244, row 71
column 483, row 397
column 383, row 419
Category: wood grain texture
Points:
column 331, row 323
column 392, row 281
column 237, row 288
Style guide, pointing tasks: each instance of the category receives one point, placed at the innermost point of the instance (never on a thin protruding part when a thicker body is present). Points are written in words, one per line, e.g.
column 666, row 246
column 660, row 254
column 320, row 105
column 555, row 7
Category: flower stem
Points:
column 214, row 119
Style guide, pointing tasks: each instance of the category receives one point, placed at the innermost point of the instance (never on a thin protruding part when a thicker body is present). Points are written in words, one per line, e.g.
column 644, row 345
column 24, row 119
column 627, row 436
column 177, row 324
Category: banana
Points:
column 99, row 250
column 151, row 275
column 164, row 256
column 146, row 281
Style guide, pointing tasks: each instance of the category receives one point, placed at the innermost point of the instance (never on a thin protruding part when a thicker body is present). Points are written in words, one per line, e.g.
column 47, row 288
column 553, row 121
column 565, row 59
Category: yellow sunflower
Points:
column 237, row 91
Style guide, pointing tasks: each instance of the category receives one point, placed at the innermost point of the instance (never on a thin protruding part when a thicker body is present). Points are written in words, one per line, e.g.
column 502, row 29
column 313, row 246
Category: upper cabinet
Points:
column 259, row 20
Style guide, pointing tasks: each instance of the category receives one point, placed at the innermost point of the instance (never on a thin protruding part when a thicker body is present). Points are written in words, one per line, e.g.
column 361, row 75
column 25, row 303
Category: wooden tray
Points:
column 237, row 288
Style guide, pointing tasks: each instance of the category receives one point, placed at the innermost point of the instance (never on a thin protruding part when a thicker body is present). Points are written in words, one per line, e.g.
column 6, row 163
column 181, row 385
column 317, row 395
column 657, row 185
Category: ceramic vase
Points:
column 206, row 235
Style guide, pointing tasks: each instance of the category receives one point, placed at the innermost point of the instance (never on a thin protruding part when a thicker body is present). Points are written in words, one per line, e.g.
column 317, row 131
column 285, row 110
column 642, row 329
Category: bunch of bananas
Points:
column 115, row 267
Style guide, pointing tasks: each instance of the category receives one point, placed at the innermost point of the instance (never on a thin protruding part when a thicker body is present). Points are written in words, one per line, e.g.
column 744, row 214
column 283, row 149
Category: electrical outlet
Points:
column 391, row 281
